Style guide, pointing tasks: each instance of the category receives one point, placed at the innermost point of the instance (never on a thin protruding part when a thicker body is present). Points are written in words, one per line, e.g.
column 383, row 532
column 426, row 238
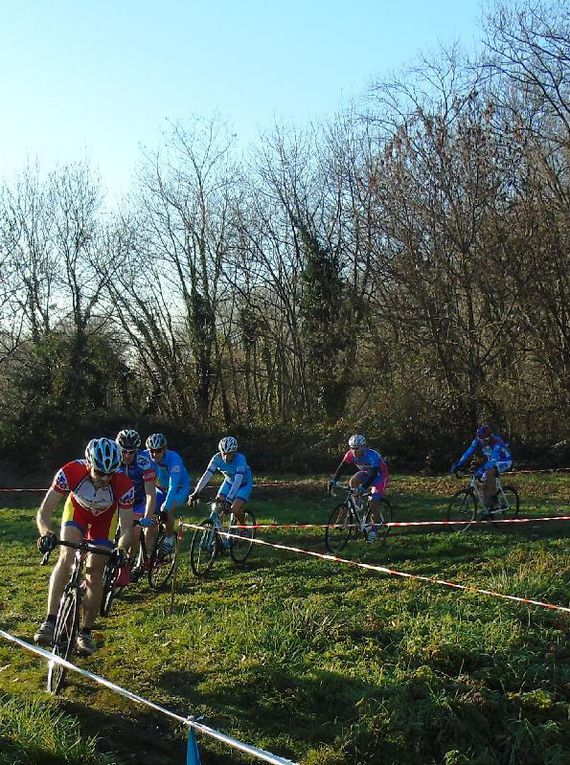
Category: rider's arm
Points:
column 468, row 454
column 234, row 488
column 204, row 480
column 339, row 470
column 150, row 506
column 126, row 519
column 49, row 504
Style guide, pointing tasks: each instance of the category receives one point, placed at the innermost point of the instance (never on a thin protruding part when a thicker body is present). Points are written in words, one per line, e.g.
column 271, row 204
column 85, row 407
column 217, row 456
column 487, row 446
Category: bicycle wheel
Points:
column 64, row 636
column 109, row 590
column 161, row 565
column 339, row 529
column 385, row 511
column 462, row 507
column 203, row 548
column 241, row 548
column 509, row 503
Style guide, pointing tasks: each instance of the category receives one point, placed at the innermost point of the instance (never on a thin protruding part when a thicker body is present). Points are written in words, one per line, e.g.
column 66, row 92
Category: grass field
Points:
column 316, row 661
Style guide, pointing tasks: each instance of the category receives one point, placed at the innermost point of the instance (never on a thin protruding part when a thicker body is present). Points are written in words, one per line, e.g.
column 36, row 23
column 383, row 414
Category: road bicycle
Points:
column 352, row 518
column 152, row 561
column 66, row 626
column 467, row 504
column 215, row 538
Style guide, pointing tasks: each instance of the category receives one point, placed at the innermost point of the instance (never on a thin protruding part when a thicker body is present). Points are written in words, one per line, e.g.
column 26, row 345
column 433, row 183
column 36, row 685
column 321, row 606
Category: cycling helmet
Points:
column 103, row 454
column 128, row 439
column 156, row 441
column 357, row 441
column 228, row 445
column 485, row 431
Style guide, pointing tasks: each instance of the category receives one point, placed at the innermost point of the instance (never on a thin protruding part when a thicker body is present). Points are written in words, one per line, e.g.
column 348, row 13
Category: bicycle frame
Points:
column 353, row 517
column 216, row 536
column 474, row 486
column 467, row 506
column 67, row 620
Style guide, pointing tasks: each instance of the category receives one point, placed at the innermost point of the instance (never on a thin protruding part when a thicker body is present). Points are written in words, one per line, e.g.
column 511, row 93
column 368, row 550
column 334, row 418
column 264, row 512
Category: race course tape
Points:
column 392, row 572
column 400, row 524
column 259, row 754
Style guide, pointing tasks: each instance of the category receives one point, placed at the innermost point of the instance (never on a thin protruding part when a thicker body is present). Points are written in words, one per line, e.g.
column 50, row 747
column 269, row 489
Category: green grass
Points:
column 314, row 660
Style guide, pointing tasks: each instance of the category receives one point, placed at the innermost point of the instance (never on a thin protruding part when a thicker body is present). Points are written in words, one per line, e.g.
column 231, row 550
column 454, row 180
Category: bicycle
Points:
column 353, row 517
column 212, row 539
column 66, row 626
column 157, row 565
column 467, row 504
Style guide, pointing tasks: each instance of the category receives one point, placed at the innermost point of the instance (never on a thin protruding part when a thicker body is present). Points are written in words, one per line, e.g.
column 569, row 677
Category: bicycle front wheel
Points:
column 339, row 528
column 109, row 590
column 385, row 513
column 64, row 637
column 462, row 508
column 161, row 563
column 240, row 546
column 203, row 548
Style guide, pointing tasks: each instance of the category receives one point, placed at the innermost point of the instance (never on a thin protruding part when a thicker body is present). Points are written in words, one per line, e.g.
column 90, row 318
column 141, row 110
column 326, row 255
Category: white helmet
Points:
column 357, row 441
column 104, row 455
column 156, row 441
column 228, row 445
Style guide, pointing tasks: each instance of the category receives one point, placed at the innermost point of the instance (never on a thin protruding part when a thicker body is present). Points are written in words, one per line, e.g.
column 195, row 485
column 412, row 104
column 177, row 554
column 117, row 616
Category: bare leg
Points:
column 94, row 592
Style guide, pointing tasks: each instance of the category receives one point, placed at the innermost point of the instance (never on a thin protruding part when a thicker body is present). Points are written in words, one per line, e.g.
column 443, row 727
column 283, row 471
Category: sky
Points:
column 97, row 80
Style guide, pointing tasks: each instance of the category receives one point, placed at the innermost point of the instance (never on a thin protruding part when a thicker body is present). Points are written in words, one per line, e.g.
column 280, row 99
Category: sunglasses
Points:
column 129, row 451
column 156, row 451
column 102, row 474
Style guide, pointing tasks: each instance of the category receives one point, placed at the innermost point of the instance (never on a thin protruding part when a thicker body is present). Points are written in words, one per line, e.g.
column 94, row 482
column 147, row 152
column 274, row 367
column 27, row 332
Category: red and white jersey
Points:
column 74, row 477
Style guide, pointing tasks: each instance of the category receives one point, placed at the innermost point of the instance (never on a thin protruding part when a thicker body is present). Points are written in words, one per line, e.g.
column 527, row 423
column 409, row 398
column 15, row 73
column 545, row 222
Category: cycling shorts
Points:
column 377, row 487
column 175, row 499
column 98, row 529
column 139, row 509
column 242, row 493
column 501, row 465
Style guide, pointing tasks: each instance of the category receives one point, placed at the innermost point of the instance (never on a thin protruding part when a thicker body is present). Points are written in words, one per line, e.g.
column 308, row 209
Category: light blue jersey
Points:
column 238, row 478
column 172, row 479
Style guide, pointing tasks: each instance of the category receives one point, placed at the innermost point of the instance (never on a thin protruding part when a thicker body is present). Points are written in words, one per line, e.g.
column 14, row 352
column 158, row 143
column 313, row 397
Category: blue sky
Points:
column 97, row 79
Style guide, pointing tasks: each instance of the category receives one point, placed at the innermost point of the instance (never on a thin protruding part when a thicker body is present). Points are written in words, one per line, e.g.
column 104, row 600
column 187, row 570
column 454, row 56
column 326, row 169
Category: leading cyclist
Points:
column 498, row 459
column 372, row 473
column 98, row 497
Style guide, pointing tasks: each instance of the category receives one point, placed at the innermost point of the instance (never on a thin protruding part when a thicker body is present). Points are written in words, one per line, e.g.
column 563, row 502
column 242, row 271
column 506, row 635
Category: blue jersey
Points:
column 238, row 466
column 238, row 480
column 495, row 450
column 171, row 476
column 140, row 471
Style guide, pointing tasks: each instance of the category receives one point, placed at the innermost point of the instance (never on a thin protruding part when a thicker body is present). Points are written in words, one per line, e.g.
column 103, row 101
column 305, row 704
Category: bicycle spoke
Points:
column 339, row 529
column 65, row 634
column 462, row 507
column 241, row 548
column 203, row 548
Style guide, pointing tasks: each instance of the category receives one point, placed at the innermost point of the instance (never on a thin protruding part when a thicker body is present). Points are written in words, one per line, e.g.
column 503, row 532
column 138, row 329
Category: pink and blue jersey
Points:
column 371, row 466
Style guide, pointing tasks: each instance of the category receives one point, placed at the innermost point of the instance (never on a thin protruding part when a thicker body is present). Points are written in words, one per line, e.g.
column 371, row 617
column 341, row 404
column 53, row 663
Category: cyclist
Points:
column 98, row 497
column 172, row 481
column 140, row 469
column 498, row 459
column 238, row 479
column 372, row 473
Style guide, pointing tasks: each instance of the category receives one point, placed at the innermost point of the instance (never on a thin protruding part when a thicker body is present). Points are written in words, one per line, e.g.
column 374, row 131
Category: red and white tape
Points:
column 393, row 572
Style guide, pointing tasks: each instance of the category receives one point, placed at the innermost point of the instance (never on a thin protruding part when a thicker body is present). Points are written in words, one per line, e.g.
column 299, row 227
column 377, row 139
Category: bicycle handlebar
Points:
column 84, row 546
column 339, row 485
